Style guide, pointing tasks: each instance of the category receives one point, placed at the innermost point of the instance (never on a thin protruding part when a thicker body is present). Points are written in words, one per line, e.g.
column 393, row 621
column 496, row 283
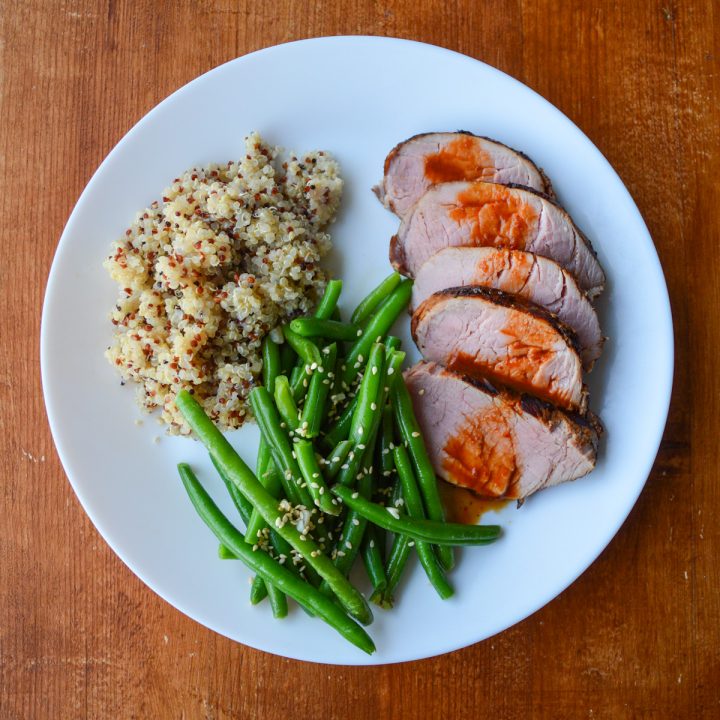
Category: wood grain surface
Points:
column 637, row 636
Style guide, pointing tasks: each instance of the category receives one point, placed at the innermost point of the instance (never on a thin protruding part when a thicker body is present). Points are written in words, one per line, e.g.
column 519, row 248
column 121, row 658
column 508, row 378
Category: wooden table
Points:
column 637, row 636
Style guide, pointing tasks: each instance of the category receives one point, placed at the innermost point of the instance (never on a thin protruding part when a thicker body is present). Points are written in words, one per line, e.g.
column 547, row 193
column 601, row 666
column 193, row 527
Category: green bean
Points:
column 392, row 343
column 341, row 428
column 268, row 419
column 372, row 558
column 394, row 363
column 353, row 531
column 288, row 358
column 270, row 478
column 377, row 327
column 306, row 349
column 436, row 533
column 312, row 327
column 387, row 443
column 312, row 475
column 314, row 408
column 244, row 507
column 260, row 562
column 386, row 466
column 399, row 555
column 337, row 458
column 375, row 297
column 299, row 382
column 414, row 505
column 285, row 403
column 410, row 431
column 329, row 301
column 278, row 601
column 272, row 366
column 326, row 308
column 258, row 590
column 348, row 596
column 225, row 553
column 368, row 394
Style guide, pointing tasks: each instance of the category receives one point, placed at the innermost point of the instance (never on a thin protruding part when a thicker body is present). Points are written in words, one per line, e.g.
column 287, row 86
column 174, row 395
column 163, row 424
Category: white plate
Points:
column 356, row 97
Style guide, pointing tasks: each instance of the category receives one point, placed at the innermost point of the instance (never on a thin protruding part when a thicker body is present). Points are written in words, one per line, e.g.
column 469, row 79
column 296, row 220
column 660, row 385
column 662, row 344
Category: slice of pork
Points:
column 488, row 334
column 431, row 158
column 534, row 278
column 478, row 214
column 497, row 443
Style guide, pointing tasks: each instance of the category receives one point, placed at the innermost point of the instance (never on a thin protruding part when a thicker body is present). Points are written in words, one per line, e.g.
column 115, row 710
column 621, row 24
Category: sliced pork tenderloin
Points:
column 534, row 278
column 478, row 214
column 431, row 158
column 495, row 442
column 489, row 334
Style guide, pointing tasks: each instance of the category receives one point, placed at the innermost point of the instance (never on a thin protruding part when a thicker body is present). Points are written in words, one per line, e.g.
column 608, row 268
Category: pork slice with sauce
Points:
column 531, row 277
column 494, row 442
column 431, row 158
column 480, row 214
column 489, row 334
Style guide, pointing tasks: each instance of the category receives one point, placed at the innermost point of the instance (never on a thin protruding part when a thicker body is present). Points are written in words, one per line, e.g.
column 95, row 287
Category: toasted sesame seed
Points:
column 355, row 522
column 359, row 333
column 373, row 406
column 354, row 495
column 372, row 543
column 391, row 370
column 374, row 370
column 421, row 391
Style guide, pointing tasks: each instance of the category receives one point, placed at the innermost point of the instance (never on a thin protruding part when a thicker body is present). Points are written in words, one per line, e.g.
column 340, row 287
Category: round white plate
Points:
column 356, row 97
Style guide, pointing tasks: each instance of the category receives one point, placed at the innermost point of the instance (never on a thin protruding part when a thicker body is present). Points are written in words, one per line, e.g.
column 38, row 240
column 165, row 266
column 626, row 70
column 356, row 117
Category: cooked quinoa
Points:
column 229, row 253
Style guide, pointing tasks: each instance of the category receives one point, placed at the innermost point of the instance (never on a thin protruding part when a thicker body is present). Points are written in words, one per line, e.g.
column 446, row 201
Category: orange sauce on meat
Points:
column 464, row 506
column 496, row 216
column 533, row 344
column 481, row 456
column 515, row 266
column 460, row 159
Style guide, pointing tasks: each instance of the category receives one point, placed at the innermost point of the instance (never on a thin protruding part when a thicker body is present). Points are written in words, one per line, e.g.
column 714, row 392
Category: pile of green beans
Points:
column 342, row 469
